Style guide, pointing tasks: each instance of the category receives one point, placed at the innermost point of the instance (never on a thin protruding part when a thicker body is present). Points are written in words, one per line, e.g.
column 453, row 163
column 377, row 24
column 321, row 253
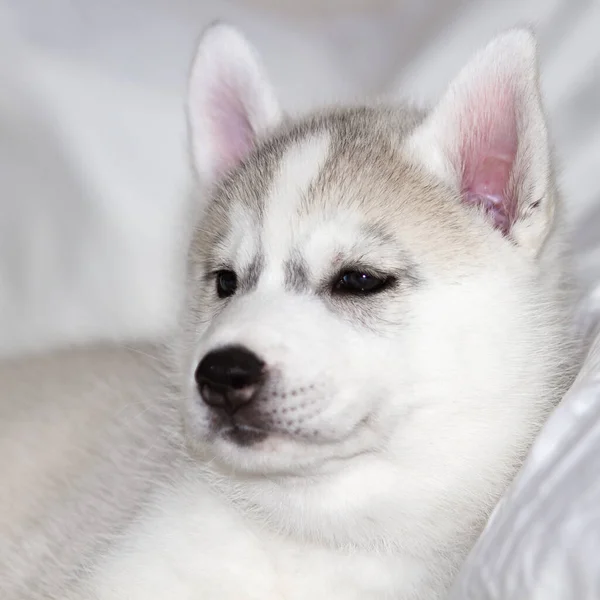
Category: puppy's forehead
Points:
column 337, row 177
column 327, row 162
column 291, row 189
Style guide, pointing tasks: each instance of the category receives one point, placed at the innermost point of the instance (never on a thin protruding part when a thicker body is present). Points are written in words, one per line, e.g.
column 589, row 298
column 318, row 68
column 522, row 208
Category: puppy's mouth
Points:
column 241, row 428
column 260, row 451
column 243, row 435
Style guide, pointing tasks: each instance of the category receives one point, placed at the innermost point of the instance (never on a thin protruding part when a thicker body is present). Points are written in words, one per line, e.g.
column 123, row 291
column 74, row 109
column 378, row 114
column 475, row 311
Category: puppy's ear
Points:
column 230, row 102
column 487, row 137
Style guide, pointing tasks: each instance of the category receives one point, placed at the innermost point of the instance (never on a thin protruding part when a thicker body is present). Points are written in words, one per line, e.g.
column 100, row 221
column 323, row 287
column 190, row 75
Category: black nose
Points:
column 229, row 378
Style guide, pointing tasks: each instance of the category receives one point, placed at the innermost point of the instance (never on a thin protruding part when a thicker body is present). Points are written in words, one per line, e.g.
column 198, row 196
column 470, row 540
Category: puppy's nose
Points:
column 229, row 377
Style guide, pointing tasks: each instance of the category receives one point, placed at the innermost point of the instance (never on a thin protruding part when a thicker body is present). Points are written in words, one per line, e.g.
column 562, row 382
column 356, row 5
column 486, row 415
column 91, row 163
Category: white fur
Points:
column 301, row 165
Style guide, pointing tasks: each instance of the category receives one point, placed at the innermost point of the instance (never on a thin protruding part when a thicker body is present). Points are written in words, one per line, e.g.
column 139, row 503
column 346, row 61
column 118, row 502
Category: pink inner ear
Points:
column 232, row 132
column 489, row 132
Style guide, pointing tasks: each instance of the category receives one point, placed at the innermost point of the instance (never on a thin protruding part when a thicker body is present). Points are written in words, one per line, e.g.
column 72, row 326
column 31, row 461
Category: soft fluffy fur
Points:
column 390, row 424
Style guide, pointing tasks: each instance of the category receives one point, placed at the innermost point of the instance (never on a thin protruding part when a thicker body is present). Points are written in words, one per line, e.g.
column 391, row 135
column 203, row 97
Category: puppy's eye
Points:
column 226, row 283
column 360, row 283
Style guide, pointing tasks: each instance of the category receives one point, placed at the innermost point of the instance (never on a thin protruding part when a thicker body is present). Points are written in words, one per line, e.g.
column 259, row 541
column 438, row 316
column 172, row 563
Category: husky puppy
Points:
column 375, row 327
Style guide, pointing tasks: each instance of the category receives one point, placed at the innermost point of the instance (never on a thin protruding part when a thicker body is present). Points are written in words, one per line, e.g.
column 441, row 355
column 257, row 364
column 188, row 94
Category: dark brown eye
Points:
column 360, row 283
column 226, row 283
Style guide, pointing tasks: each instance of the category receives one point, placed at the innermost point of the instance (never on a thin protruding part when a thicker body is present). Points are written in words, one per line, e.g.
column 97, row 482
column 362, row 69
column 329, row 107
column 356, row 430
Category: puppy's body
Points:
column 82, row 437
column 396, row 280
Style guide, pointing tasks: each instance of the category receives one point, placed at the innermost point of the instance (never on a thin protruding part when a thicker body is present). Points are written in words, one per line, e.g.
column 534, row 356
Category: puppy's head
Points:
column 369, row 281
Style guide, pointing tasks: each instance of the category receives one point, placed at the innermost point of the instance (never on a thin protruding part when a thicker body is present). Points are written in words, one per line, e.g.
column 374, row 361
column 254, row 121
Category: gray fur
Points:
column 296, row 274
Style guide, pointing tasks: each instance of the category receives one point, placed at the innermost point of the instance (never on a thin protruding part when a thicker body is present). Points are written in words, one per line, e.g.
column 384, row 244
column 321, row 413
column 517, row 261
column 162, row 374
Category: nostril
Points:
column 229, row 400
column 211, row 396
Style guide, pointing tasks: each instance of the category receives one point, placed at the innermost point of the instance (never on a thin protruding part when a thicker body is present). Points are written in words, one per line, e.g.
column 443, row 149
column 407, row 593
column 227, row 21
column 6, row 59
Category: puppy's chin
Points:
column 259, row 452
column 247, row 448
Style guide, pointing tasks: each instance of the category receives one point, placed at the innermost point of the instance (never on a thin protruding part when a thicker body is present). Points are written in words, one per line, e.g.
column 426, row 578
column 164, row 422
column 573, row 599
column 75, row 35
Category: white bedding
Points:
column 93, row 179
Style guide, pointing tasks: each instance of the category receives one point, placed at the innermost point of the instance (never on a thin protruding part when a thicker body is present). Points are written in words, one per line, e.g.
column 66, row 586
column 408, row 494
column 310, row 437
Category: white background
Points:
column 93, row 179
